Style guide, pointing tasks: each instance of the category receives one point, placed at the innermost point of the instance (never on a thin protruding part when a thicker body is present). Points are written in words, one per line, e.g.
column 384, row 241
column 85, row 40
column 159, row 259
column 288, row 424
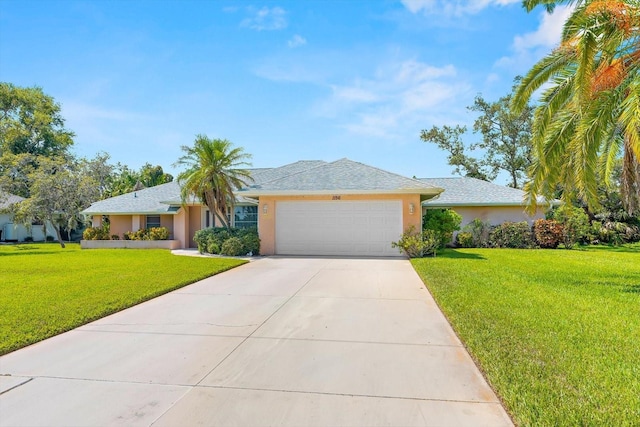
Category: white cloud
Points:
column 399, row 96
column 268, row 19
column 530, row 47
column 297, row 41
column 453, row 7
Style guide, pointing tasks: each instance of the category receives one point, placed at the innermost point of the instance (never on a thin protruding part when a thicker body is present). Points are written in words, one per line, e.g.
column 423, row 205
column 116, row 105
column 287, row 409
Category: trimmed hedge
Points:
column 243, row 241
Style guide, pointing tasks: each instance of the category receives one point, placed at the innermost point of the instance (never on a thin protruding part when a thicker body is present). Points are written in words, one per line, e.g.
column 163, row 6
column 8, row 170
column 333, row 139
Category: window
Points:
column 153, row 221
column 245, row 216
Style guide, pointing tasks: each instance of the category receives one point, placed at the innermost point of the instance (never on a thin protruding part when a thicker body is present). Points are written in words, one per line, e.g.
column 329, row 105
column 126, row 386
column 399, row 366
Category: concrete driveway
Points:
column 279, row 341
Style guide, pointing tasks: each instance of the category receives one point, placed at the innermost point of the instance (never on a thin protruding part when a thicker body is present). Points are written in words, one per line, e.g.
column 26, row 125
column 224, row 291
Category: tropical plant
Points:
column 417, row 244
column 589, row 112
column 547, row 233
column 515, row 235
column 479, row 231
column 442, row 222
column 214, row 171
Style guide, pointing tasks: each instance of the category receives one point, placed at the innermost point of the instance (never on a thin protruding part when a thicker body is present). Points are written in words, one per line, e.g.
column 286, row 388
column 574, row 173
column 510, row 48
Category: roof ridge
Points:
column 298, row 172
column 383, row 170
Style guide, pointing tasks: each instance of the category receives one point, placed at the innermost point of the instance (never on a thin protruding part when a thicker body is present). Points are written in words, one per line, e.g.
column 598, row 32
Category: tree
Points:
column 60, row 189
column 30, row 123
column 589, row 114
column 150, row 176
column 214, row 171
column 505, row 142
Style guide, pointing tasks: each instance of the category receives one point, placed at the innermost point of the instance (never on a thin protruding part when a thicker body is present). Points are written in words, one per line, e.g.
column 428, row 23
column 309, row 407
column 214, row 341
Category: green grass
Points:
column 46, row 290
column 556, row 332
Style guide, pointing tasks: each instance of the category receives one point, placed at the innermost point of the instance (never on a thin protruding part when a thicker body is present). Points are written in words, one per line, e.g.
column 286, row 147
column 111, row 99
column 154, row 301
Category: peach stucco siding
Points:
column 120, row 224
column 267, row 216
column 195, row 224
column 496, row 215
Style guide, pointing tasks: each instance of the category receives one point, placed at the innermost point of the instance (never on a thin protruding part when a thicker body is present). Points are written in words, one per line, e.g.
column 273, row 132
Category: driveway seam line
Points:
column 326, row 393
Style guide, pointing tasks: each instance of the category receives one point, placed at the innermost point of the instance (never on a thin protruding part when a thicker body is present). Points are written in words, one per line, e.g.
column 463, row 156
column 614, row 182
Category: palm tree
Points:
column 590, row 112
column 214, row 171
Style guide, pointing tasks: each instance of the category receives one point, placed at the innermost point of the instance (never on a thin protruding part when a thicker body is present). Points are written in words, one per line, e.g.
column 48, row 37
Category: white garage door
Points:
column 338, row 227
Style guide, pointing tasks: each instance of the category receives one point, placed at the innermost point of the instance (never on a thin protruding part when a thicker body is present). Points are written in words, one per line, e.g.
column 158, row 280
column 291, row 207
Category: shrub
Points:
column 417, row 245
column 28, row 239
column 443, row 222
column 96, row 233
column 115, row 237
column 49, row 239
column 211, row 240
column 232, row 247
column 212, row 247
column 516, row 235
column 158, row 233
column 547, row 233
column 464, row 239
column 480, row 231
column 153, row 233
column 575, row 224
column 250, row 240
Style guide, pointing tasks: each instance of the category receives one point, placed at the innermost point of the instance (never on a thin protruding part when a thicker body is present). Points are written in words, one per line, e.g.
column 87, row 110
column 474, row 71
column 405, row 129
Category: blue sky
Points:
column 286, row 80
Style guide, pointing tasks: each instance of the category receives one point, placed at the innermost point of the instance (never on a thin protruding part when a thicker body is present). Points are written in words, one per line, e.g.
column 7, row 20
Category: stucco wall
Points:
column 195, row 224
column 119, row 224
column 496, row 215
column 166, row 221
column 267, row 221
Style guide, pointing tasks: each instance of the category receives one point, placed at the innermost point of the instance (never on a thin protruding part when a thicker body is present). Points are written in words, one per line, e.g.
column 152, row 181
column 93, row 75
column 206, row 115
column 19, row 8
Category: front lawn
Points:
column 46, row 290
column 556, row 332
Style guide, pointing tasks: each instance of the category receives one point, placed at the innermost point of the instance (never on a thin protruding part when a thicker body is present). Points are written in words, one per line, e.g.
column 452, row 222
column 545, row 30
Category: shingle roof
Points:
column 464, row 191
column 146, row 201
column 8, row 199
column 303, row 177
column 342, row 175
column 269, row 174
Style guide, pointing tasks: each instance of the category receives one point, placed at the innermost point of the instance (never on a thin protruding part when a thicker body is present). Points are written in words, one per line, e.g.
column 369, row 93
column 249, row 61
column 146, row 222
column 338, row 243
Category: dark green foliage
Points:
column 505, row 144
column 232, row 247
column 515, row 235
column 443, row 222
column 31, row 123
column 211, row 240
column 575, row 224
column 547, row 233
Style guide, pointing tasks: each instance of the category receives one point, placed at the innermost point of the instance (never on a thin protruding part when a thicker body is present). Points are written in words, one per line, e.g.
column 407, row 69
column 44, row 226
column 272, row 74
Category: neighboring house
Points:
column 474, row 198
column 303, row 208
column 11, row 232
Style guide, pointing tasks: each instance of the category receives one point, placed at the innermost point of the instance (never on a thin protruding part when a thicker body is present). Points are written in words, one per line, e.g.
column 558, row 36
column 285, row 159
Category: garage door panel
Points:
column 338, row 228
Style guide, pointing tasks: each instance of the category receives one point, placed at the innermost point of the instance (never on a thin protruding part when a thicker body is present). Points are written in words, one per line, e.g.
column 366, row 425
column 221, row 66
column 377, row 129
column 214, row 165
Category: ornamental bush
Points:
column 96, row 233
column 548, row 233
column 153, row 233
column 479, row 231
column 443, row 222
column 516, row 235
column 211, row 240
column 233, row 247
column 464, row 239
column 575, row 224
column 417, row 244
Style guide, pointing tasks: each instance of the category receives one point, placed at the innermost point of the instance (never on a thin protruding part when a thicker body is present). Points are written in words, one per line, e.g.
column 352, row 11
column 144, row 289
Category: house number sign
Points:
column 335, row 198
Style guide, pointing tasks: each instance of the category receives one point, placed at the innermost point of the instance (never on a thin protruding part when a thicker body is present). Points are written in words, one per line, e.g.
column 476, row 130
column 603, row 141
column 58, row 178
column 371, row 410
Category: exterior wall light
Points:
column 265, row 208
column 412, row 208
